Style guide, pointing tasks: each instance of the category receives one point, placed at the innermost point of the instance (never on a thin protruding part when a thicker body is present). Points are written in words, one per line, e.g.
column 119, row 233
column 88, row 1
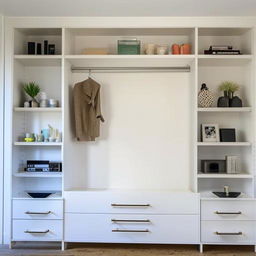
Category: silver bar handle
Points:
column 130, row 205
column 41, row 213
column 37, row 232
column 228, row 234
column 138, row 221
column 228, row 213
column 131, row 230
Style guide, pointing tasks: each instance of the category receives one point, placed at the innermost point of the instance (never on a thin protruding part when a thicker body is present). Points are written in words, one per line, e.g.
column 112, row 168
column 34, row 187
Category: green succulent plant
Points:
column 32, row 89
column 229, row 86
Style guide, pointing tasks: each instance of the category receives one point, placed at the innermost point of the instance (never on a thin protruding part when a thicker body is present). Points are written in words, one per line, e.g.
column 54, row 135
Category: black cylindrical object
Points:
column 45, row 47
column 51, row 49
column 39, row 49
column 31, row 48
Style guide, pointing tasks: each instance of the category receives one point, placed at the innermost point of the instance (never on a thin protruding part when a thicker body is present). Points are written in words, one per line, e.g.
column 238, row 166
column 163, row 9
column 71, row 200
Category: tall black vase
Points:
column 230, row 96
column 223, row 101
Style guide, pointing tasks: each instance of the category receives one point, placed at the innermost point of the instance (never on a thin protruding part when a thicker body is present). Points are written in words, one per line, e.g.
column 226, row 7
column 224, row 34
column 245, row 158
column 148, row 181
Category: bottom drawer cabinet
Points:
column 228, row 232
column 123, row 228
column 37, row 230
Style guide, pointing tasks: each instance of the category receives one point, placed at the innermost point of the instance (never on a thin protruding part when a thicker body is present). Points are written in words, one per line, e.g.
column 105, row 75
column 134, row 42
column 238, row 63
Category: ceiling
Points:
column 128, row 7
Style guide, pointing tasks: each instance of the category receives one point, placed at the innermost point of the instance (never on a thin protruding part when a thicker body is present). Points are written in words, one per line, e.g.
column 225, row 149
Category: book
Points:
column 220, row 47
column 232, row 164
column 222, row 52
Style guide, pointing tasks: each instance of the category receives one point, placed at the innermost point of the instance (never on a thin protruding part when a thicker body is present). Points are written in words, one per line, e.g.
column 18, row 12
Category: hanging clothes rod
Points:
column 130, row 69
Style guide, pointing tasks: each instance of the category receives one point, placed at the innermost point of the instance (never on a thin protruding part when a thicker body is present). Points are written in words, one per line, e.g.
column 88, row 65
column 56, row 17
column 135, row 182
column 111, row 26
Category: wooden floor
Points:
column 129, row 250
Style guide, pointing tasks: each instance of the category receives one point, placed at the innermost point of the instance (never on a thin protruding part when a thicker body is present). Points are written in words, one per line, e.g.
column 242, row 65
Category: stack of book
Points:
column 222, row 50
column 232, row 165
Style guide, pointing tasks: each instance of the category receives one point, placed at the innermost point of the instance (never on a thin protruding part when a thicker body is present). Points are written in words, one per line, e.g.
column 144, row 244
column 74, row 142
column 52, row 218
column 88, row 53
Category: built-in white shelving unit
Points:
column 213, row 70
column 45, row 70
column 141, row 146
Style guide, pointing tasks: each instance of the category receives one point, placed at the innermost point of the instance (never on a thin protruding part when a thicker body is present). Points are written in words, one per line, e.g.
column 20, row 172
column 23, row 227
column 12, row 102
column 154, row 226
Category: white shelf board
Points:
column 230, row 57
column 22, row 196
column 130, row 60
column 38, row 174
column 232, row 144
column 21, row 109
column 224, row 175
column 39, row 60
column 132, row 56
column 243, row 109
column 207, row 195
column 224, row 60
column 38, row 143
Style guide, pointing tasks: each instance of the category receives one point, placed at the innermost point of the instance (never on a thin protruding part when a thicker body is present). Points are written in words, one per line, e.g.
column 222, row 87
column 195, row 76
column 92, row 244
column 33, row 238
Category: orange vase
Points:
column 175, row 49
column 185, row 49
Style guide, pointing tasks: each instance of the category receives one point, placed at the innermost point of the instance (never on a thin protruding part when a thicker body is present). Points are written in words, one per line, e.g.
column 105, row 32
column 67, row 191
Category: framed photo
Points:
column 228, row 135
column 210, row 133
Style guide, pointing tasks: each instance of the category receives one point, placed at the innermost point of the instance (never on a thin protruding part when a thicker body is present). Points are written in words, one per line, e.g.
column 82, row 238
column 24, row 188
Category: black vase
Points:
column 236, row 102
column 223, row 101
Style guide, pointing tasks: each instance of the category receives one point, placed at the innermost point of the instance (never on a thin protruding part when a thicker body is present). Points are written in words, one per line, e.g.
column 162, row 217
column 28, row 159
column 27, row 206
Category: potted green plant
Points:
column 32, row 90
column 228, row 100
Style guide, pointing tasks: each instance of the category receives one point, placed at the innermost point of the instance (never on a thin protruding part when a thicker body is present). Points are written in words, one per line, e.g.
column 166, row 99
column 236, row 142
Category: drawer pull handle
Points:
column 228, row 234
column 39, row 213
column 37, row 232
column 228, row 213
column 130, row 205
column 138, row 221
column 131, row 230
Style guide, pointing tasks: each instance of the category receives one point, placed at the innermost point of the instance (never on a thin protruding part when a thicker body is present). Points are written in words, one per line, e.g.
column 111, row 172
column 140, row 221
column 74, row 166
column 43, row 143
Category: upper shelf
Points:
column 39, row 60
column 38, row 35
column 77, row 39
column 224, row 60
column 130, row 60
column 238, row 38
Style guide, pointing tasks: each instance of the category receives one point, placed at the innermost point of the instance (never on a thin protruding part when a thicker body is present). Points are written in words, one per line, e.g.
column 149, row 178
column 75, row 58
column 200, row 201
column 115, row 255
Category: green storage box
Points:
column 131, row 47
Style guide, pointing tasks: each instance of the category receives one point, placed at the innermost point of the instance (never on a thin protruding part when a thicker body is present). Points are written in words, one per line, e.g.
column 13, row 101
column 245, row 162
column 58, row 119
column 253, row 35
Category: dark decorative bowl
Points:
column 230, row 194
column 39, row 194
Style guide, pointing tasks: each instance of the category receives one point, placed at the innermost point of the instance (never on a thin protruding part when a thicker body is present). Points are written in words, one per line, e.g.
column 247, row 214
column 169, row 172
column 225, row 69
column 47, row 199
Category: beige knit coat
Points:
column 87, row 110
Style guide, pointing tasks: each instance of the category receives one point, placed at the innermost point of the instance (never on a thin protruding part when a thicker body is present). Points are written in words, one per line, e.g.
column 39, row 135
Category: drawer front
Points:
column 228, row 210
column 37, row 209
column 134, row 202
column 37, row 230
column 228, row 232
column 131, row 228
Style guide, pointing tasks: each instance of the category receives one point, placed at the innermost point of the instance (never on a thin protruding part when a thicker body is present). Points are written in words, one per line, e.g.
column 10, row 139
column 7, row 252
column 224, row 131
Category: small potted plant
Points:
column 32, row 90
column 228, row 100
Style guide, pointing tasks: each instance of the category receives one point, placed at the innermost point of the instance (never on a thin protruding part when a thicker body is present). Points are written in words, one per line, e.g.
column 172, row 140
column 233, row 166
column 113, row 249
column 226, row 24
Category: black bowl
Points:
column 230, row 194
column 39, row 194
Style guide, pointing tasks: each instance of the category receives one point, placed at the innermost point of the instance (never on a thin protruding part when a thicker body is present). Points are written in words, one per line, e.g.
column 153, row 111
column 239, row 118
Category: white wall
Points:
column 144, row 141
column 1, row 122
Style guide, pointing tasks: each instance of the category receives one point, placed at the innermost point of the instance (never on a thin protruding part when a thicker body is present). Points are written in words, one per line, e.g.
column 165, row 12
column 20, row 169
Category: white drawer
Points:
column 228, row 232
column 143, row 202
column 37, row 230
column 228, row 210
column 37, row 209
column 111, row 228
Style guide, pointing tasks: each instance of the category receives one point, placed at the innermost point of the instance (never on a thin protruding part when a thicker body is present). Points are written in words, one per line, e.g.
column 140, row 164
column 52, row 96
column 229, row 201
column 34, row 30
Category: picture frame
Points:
column 210, row 133
column 228, row 135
